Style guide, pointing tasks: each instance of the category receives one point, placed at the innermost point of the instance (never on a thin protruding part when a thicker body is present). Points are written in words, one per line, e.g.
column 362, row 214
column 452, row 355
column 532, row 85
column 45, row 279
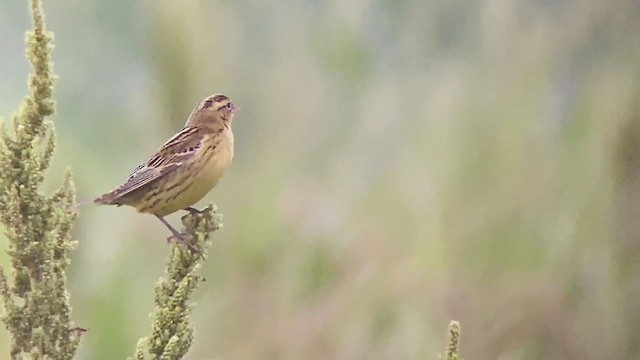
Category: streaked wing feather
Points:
column 143, row 177
column 177, row 151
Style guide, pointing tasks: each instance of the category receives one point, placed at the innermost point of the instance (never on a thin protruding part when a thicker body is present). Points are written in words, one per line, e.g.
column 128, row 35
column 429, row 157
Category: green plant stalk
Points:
column 35, row 304
column 453, row 347
column 171, row 331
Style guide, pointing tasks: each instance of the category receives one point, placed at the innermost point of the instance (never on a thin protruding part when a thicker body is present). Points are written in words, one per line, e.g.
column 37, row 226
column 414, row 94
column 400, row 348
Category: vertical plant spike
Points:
column 454, row 341
column 35, row 302
column 453, row 347
column 171, row 331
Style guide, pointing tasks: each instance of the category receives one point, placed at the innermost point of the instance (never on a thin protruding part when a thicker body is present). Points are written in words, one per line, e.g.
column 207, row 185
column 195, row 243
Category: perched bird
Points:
column 185, row 168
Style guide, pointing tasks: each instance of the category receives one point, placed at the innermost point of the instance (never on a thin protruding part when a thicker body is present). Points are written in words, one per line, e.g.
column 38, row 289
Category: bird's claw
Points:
column 194, row 211
column 179, row 238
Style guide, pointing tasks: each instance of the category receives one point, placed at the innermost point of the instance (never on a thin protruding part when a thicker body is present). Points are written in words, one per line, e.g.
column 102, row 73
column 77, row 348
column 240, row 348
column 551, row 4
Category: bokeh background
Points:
column 398, row 164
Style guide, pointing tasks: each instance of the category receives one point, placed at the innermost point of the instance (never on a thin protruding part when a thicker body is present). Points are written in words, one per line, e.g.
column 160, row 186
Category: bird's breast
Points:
column 203, row 175
column 218, row 160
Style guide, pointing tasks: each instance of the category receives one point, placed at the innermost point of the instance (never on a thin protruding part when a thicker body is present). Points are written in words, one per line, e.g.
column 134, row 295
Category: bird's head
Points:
column 213, row 110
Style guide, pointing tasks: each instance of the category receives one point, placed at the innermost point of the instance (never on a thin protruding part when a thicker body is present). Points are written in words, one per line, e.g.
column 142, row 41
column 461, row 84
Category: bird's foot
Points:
column 180, row 239
column 193, row 211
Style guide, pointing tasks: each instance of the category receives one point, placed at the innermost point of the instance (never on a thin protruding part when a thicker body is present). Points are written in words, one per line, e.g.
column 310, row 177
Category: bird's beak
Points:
column 234, row 109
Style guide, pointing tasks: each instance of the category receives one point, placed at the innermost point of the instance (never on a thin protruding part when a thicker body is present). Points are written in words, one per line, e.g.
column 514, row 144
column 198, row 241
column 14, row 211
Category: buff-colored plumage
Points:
column 185, row 168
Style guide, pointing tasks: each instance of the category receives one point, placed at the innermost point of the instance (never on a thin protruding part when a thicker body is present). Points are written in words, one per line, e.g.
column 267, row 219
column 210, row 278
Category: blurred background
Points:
column 398, row 164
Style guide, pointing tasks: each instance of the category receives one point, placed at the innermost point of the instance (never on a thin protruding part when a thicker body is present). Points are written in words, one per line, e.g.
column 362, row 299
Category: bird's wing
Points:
column 177, row 151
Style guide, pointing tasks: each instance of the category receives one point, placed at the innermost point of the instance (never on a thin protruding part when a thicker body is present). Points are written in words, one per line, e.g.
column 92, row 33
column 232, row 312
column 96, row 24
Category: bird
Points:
column 184, row 169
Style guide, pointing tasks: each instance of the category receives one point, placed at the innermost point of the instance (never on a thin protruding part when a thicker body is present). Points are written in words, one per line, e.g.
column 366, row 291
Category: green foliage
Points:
column 36, row 304
column 172, row 333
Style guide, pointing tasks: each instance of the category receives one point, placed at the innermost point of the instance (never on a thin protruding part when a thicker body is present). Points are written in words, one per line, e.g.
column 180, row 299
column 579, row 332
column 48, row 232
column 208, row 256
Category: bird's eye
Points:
column 229, row 106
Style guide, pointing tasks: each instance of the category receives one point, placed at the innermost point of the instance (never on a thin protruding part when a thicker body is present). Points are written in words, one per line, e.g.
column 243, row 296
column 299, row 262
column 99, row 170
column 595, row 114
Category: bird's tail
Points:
column 77, row 206
column 106, row 199
column 110, row 198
